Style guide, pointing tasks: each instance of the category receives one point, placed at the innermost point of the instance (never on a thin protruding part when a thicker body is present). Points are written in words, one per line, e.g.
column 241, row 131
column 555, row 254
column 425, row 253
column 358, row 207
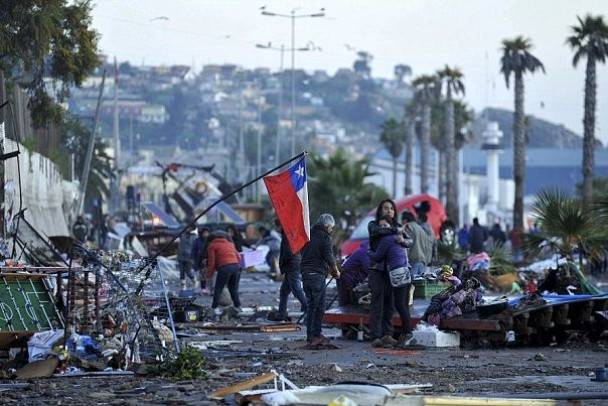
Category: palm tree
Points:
column 401, row 71
column 409, row 122
column 463, row 116
column 425, row 86
column 589, row 40
column 392, row 138
column 451, row 78
column 517, row 60
column 565, row 225
column 340, row 186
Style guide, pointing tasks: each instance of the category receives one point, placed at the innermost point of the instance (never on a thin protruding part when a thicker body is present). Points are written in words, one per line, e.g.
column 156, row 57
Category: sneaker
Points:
column 388, row 340
column 377, row 343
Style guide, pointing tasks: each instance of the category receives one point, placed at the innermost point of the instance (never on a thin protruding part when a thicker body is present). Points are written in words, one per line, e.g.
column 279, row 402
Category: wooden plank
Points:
column 244, row 385
column 350, row 316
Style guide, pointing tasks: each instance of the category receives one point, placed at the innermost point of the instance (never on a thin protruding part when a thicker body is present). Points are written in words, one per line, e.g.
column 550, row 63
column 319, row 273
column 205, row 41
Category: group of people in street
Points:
column 394, row 251
column 477, row 238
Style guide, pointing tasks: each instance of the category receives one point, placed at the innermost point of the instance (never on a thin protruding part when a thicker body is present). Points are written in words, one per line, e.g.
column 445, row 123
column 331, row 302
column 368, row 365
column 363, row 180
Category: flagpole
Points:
column 149, row 261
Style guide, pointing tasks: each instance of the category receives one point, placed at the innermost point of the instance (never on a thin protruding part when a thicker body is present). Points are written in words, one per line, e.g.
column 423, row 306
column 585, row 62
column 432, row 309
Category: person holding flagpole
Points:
column 317, row 261
column 288, row 192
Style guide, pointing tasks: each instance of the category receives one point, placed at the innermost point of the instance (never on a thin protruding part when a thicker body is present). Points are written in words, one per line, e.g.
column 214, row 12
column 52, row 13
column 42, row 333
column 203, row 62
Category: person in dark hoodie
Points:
column 289, row 264
column 199, row 254
column 477, row 236
column 317, row 260
column 388, row 250
column 381, row 309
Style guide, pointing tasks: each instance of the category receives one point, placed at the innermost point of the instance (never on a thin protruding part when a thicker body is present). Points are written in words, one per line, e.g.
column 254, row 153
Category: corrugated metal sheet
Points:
column 42, row 191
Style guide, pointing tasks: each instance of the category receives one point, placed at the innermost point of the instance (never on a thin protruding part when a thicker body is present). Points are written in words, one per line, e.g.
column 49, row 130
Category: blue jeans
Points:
column 292, row 283
column 314, row 288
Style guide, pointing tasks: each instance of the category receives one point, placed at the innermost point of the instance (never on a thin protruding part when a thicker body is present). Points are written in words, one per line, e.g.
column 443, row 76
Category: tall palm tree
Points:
column 409, row 122
column 566, row 226
column 392, row 138
column 589, row 40
column 451, row 78
column 401, row 71
column 425, row 86
column 517, row 60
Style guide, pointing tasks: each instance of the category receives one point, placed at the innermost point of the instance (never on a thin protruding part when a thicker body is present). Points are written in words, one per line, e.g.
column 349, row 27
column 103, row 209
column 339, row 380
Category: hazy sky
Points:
column 425, row 34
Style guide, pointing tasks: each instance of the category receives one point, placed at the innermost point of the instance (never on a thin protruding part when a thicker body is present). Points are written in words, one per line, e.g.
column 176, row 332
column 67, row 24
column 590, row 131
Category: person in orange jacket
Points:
column 223, row 257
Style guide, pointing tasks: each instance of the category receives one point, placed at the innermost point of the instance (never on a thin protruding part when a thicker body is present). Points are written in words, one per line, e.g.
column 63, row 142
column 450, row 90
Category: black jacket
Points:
column 477, row 237
column 317, row 254
column 288, row 262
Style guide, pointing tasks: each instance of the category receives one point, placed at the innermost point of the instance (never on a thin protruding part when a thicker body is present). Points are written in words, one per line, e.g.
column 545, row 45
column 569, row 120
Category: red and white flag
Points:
column 288, row 191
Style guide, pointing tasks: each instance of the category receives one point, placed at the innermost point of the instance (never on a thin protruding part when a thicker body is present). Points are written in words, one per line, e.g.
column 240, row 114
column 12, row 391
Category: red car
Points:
column 436, row 216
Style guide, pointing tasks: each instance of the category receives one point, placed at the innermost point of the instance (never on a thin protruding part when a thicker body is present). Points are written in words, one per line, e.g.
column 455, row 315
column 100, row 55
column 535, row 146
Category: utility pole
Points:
column 115, row 192
column 282, row 50
column 90, row 149
column 293, row 16
column 259, row 146
column 3, row 116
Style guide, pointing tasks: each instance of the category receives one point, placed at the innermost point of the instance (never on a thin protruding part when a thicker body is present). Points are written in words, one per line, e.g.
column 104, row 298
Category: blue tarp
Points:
column 162, row 215
column 558, row 298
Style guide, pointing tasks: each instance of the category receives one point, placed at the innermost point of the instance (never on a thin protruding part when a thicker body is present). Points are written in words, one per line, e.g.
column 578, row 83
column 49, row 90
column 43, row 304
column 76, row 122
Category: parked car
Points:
column 436, row 216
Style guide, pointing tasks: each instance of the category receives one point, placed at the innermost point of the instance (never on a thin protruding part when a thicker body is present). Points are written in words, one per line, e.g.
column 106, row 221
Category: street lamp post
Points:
column 282, row 50
column 293, row 16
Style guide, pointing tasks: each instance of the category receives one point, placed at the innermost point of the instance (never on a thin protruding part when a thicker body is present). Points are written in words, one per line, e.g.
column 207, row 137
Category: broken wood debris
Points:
column 248, row 384
column 261, row 328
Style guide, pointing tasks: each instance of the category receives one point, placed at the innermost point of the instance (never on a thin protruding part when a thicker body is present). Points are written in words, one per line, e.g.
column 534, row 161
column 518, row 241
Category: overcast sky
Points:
column 425, row 34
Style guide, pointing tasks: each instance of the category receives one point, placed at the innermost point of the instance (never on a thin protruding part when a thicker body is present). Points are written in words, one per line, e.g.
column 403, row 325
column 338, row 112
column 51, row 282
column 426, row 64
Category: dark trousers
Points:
column 292, row 283
column 185, row 270
column 314, row 288
column 381, row 309
column 401, row 296
column 227, row 275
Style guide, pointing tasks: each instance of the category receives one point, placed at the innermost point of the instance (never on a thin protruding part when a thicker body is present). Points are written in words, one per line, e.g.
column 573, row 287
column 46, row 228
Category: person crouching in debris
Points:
column 355, row 269
column 391, row 252
column 289, row 264
column 317, row 260
column 223, row 257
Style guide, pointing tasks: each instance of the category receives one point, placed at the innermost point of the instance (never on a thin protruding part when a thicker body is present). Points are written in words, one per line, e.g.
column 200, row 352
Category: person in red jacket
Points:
column 223, row 257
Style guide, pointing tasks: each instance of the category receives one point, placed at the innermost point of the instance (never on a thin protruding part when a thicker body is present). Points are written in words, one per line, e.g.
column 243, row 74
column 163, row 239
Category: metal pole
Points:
column 90, row 149
column 258, row 188
column 293, row 84
column 2, row 137
column 282, row 79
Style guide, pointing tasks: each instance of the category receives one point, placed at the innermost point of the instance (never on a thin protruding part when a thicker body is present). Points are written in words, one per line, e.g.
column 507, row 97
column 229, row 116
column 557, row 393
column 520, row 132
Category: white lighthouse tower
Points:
column 491, row 144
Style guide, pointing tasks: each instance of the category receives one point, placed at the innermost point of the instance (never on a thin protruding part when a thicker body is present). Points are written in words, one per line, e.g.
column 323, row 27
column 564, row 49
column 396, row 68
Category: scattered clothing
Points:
column 479, row 262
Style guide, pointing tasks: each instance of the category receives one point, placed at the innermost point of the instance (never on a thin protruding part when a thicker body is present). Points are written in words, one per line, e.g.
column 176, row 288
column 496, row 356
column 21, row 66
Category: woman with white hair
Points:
column 317, row 261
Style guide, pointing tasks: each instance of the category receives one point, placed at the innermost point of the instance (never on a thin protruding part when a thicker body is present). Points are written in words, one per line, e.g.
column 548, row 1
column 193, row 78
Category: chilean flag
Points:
column 288, row 193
